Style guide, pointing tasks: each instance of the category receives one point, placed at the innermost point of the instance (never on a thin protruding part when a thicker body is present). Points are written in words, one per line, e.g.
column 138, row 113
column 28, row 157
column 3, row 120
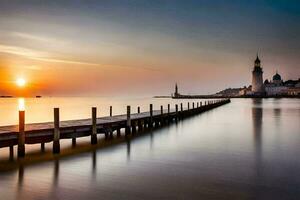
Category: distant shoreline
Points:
column 221, row 97
column 8, row 96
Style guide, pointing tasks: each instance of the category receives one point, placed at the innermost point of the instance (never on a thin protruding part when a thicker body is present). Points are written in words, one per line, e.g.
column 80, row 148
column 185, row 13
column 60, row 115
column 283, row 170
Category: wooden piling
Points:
column 176, row 110
column 42, row 147
column 140, row 125
column 188, row 105
column 118, row 132
column 110, row 111
column 161, row 115
column 193, row 105
column 197, row 104
column 133, row 126
column 74, row 142
column 21, row 136
column 181, row 107
column 151, row 116
column 128, row 122
column 56, row 136
column 11, row 152
column 94, row 126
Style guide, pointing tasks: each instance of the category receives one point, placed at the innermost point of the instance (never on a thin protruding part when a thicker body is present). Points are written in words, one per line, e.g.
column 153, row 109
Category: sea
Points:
column 247, row 149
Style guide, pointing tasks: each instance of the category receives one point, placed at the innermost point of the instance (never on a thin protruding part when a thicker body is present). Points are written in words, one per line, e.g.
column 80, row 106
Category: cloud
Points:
column 38, row 38
column 46, row 57
column 20, row 51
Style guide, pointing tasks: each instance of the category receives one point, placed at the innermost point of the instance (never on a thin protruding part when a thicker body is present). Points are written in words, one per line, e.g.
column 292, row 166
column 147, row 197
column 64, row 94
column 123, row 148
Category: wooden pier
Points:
column 41, row 133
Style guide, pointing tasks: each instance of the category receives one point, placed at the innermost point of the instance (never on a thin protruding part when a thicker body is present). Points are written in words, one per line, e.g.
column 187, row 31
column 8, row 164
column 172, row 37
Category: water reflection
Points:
column 194, row 158
column 21, row 104
column 277, row 114
column 128, row 149
column 56, row 172
column 20, row 176
column 257, row 114
column 94, row 162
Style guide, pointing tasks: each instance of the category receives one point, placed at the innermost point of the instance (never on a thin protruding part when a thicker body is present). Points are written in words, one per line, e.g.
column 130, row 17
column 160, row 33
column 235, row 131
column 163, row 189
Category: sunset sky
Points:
column 139, row 47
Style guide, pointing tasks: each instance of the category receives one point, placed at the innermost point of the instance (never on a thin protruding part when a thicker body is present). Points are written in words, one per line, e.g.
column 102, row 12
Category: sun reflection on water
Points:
column 21, row 102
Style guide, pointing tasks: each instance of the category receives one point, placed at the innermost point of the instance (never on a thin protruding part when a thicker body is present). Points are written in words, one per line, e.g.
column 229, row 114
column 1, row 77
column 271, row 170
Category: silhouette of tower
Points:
column 257, row 78
column 176, row 94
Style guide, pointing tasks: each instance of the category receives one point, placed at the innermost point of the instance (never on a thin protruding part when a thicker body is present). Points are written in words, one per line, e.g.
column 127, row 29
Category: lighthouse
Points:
column 257, row 78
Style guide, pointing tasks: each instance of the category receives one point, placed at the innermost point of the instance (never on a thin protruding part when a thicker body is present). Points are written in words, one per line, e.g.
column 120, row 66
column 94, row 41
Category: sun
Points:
column 21, row 82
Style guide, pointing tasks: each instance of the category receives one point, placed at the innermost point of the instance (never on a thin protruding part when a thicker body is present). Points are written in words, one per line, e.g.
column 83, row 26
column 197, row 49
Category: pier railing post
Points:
column 56, row 137
column 110, row 111
column 193, row 105
column 151, row 116
column 176, row 110
column 197, row 104
column 140, row 125
column 21, row 136
column 94, row 126
column 162, row 115
column 128, row 122
column 188, row 105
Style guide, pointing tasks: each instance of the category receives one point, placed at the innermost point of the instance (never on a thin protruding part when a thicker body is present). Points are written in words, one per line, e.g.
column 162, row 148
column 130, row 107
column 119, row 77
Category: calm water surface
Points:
column 248, row 149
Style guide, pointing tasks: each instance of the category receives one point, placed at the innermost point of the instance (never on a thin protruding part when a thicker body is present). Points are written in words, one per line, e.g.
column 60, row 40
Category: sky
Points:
column 140, row 48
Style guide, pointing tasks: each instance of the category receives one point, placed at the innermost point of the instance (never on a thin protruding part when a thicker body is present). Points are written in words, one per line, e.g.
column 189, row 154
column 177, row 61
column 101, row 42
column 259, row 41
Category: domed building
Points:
column 276, row 86
column 277, row 79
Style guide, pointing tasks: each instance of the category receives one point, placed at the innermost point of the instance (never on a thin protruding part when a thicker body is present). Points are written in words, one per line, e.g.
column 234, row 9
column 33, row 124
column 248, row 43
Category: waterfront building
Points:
column 276, row 86
column 257, row 78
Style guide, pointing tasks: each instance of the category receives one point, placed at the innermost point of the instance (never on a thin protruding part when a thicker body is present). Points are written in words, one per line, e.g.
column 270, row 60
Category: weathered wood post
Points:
column 161, row 115
column 201, row 104
column 94, row 126
column 176, row 110
column 168, row 113
column 140, row 125
column 74, row 140
column 151, row 116
column 21, row 136
column 43, row 147
column 11, row 152
column 110, row 111
column 56, row 144
column 128, row 122
column 118, row 132
column 193, row 105
column 181, row 110
column 197, row 104
column 188, row 105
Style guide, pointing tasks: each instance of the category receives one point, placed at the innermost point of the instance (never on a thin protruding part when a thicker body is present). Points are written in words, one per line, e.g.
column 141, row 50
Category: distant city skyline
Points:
column 139, row 48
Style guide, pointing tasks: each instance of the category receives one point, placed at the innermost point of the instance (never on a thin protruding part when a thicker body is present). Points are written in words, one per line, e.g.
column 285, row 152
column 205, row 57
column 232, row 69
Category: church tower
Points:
column 257, row 78
column 176, row 94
